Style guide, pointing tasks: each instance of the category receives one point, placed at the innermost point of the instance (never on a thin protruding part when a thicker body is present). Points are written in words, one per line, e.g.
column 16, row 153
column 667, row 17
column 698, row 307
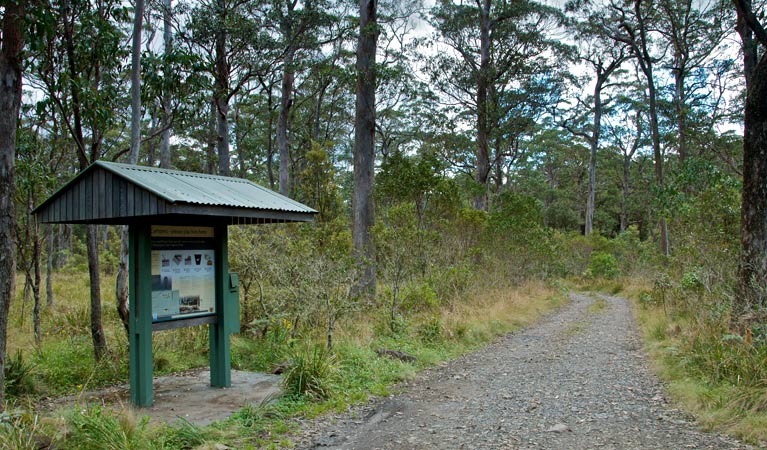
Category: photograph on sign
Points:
column 183, row 272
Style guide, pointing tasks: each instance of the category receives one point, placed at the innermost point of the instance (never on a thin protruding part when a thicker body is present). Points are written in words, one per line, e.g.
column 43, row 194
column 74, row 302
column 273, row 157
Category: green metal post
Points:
column 140, row 325
column 220, row 359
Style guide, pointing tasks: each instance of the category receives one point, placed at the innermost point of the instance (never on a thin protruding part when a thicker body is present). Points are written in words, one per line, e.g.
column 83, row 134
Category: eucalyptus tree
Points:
column 694, row 32
column 750, row 303
column 228, row 36
column 299, row 30
column 403, row 100
column 167, row 39
column 604, row 58
column 363, row 210
column 625, row 131
column 11, row 61
column 486, row 49
column 79, row 69
column 553, row 169
column 631, row 22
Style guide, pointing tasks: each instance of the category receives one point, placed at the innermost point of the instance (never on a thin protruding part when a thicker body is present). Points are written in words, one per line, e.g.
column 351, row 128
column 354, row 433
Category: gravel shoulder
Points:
column 577, row 380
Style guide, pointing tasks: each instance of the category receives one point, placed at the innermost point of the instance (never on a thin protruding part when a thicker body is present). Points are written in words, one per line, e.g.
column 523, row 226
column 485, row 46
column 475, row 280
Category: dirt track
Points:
column 577, row 380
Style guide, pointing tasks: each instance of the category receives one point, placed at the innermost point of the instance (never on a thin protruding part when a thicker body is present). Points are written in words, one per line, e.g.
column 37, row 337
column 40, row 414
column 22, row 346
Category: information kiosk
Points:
column 178, row 258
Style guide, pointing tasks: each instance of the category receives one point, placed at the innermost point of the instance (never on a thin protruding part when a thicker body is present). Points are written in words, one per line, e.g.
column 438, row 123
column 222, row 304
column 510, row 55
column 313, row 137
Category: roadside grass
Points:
column 63, row 364
column 717, row 377
column 599, row 305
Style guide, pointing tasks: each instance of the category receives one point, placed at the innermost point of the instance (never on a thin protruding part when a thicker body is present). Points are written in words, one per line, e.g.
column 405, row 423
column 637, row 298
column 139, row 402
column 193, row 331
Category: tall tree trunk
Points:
column 210, row 153
column 483, row 158
column 286, row 102
column 97, row 330
column 10, row 101
column 625, row 187
column 363, row 210
column 749, row 45
column 167, row 37
column 121, row 283
column 270, row 141
column 36, row 273
column 594, row 143
column 645, row 63
column 221, row 92
column 752, row 269
column 50, row 243
column 680, row 107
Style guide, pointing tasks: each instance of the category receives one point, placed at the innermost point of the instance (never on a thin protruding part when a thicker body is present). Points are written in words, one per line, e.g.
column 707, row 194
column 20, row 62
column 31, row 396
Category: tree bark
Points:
column 364, row 149
column 646, row 65
column 97, row 331
column 210, row 153
column 49, row 265
column 286, row 101
column 749, row 44
column 483, row 158
column 269, row 140
column 594, row 143
column 221, row 92
column 121, row 283
column 135, row 83
column 10, row 102
column 167, row 37
column 36, row 273
column 752, row 271
column 680, row 107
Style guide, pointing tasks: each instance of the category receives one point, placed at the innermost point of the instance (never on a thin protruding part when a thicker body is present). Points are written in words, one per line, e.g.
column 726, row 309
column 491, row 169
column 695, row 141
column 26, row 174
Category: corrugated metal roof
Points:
column 202, row 189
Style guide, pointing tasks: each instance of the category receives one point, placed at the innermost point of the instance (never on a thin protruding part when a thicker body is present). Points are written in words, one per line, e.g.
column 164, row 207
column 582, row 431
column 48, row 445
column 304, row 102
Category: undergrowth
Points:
column 718, row 376
column 316, row 381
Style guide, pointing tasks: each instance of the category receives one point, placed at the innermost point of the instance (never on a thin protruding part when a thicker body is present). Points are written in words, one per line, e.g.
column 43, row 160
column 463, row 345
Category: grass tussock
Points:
column 719, row 377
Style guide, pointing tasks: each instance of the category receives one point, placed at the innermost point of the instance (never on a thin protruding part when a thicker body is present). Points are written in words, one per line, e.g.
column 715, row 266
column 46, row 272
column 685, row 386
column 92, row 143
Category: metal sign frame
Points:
column 224, row 321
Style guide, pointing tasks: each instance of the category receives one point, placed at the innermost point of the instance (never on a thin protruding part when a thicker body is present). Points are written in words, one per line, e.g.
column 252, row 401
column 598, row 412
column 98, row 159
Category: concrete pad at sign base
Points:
column 192, row 398
column 187, row 395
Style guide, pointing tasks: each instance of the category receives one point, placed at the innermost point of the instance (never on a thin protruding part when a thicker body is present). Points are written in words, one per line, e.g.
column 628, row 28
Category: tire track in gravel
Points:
column 577, row 380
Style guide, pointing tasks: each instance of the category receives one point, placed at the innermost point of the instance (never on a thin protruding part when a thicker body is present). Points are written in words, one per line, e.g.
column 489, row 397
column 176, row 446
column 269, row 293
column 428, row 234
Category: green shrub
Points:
column 603, row 265
column 311, row 373
column 419, row 297
column 185, row 435
column 431, row 330
column 19, row 380
column 98, row 429
column 20, row 430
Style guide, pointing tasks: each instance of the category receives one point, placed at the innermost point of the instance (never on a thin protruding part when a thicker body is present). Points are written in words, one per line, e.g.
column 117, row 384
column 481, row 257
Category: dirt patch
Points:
column 187, row 395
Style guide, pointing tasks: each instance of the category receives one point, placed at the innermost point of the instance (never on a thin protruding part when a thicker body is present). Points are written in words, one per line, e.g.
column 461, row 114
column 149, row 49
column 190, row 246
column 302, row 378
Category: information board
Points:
column 183, row 272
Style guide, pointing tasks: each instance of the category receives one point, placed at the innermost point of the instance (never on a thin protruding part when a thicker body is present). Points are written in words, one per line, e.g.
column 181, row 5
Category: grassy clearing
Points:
column 322, row 382
column 717, row 377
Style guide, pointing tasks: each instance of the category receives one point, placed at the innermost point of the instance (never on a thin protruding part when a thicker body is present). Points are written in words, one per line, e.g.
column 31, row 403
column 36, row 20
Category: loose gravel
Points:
column 576, row 380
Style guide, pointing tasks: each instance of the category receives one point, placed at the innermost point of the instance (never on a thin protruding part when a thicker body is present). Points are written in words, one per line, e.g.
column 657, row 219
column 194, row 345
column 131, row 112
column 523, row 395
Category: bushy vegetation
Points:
column 442, row 273
column 685, row 309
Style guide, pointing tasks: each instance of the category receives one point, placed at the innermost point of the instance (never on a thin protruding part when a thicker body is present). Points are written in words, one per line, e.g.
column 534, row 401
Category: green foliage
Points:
column 317, row 185
column 311, row 373
column 431, row 330
column 19, row 376
column 603, row 265
column 419, row 297
column 20, row 430
column 184, row 435
column 97, row 428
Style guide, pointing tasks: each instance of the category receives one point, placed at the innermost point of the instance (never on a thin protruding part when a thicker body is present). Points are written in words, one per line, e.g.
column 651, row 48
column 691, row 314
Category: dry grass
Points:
column 737, row 410
column 498, row 310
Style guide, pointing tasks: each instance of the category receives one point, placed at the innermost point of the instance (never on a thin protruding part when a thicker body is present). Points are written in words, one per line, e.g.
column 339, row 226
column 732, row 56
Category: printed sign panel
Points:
column 183, row 272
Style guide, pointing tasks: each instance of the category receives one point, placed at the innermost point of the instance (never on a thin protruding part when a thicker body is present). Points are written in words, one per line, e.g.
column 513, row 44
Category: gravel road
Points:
column 576, row 380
